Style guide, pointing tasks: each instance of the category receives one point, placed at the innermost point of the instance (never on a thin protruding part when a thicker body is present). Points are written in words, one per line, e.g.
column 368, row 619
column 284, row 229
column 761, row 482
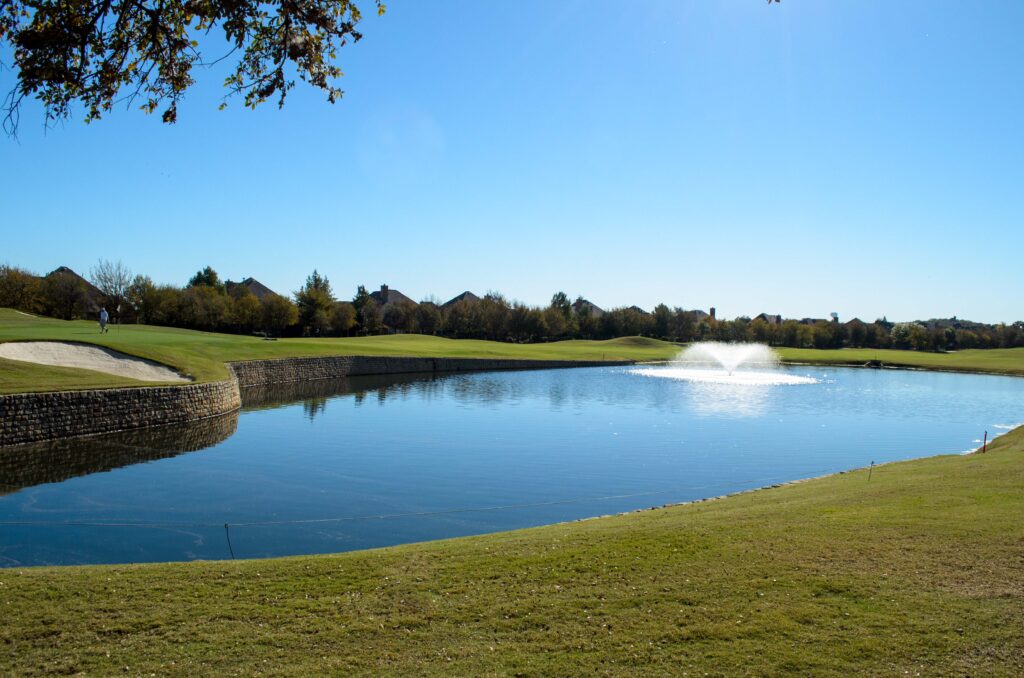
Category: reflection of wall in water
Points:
column 24, row 466
column 314, row 394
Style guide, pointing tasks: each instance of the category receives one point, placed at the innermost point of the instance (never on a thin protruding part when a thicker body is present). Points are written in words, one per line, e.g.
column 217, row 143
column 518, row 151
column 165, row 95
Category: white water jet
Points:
column 734, row 364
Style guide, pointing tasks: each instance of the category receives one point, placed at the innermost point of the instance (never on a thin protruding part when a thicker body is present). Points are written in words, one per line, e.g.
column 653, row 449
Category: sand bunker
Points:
column 87, row 357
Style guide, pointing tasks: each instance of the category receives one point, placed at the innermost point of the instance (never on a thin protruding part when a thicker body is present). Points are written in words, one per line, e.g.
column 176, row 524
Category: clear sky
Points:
column 863, row 157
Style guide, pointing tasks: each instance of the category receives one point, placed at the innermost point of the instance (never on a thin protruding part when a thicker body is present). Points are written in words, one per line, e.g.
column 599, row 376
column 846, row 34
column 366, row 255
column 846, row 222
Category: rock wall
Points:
column 31, row 417
column 55, row 460
column 263, row 372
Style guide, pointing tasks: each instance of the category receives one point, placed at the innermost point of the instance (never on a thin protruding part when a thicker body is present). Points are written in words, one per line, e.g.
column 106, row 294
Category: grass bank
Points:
column 915, row 572
column 203, row 354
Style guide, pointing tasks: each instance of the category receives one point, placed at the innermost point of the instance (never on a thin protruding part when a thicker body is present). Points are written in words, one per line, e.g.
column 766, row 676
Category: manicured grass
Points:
column 915, row 572
column 203, row 354
column 997, row 360
column 20, row 377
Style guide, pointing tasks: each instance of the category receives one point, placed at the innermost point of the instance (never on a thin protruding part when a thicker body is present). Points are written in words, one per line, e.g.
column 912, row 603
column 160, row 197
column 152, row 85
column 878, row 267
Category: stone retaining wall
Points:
column 33, row 417
column 52, row 461
column 263, row 372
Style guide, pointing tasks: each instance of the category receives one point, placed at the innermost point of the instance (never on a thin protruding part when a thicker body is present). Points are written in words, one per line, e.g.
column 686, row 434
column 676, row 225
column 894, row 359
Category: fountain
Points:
column 734, row 364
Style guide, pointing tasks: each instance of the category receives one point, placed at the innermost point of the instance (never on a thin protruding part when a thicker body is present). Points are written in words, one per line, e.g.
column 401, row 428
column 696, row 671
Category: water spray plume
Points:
column 719, row 363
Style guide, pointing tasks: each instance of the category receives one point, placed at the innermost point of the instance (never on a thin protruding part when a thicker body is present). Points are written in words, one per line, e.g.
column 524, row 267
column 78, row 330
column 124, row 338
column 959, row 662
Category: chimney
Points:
column 384, row 293
column 712, row 313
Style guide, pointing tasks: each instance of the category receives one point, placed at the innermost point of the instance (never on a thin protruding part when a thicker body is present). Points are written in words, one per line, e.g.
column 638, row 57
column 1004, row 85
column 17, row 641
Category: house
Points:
column 768, row 318
column 387, row 296
column 465, row 296
column 258, row 289
column 637, row 309
column 583, row 307
column 811, row 321
column 94, row 297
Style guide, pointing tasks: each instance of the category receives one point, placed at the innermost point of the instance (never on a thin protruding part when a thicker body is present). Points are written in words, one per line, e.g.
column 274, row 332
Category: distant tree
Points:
column 401, row 316
column 343, row 318
column 278, row 314
column 560, row 301
column 918, row 337
column 141, row 296
column 315, row 301
column 369, row 318
column 64, row 296
column 20, row 289
column 494, row 310
column 428, row 317
column 555, row 324
column 361, row 298
column 204, row 307
column 900, row 335
column 97, row 55
column 206, row 277
column 113, row 280
column 662, row 320
column 246, row 310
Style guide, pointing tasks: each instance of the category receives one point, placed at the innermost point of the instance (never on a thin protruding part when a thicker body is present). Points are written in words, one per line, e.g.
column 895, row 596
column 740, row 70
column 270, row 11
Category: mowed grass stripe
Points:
column 916, row 571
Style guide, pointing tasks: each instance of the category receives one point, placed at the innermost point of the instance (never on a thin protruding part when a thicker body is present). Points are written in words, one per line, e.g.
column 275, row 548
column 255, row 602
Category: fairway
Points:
column 203, row 354
column 913, row 571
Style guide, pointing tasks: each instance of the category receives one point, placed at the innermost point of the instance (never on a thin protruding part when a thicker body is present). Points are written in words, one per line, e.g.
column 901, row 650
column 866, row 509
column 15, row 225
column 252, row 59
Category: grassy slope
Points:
column 915, row 572
column 1002, row 360
column 202, row 354
column 21, row 377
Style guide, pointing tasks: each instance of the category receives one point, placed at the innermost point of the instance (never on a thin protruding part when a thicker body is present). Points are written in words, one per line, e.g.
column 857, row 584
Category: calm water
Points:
column 373, row 461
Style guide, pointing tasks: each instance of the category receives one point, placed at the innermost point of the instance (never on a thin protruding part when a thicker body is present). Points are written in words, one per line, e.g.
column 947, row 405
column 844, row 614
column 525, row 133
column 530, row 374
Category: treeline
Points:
column 207, row 303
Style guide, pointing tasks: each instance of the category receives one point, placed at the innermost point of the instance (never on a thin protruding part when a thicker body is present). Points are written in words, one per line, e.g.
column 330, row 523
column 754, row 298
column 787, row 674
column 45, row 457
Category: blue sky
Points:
column 863, row 157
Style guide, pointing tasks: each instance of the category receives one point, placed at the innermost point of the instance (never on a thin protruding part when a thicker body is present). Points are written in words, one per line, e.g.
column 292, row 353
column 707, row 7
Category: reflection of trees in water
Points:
column 23, row 466
column 559, row 388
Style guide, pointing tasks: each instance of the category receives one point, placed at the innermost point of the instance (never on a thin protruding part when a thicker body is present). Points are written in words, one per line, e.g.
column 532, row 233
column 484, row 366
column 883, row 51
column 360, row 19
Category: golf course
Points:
column 914, row 570
column 907, row 568
column 202, row 355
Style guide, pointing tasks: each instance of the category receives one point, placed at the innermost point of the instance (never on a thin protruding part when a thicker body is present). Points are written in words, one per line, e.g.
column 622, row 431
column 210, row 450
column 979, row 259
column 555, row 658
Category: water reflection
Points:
column 728, row 400
column 24, row 466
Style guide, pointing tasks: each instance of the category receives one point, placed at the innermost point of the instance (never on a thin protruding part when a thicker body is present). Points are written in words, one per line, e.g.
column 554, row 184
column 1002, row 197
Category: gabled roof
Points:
column 638, row 310
column 95, row 295
column 593, row 309
column 465, row 296
column 258, row 289
column 769, row 318
column 386, row 296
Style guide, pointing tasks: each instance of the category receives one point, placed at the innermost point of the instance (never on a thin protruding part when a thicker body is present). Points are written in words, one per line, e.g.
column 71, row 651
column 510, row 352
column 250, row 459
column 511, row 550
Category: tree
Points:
column 560, row 301
column 64, row 296
column 19, row 289
column 207, row 277
column 97, row 53
column 369, row 317
column 343, row 318
column 113, row 279
column 662, row 316
column 315, row 302
column 278, row 314
column 246, row 310
column 428, row 317
column 142, row 297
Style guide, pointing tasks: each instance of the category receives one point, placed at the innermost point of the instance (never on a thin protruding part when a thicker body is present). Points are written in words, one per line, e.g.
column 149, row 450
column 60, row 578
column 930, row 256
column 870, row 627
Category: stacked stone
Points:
column 30, row 417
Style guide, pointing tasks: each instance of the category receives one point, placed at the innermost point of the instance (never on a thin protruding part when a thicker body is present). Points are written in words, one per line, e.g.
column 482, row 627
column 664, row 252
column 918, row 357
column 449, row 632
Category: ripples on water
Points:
column 374, row 461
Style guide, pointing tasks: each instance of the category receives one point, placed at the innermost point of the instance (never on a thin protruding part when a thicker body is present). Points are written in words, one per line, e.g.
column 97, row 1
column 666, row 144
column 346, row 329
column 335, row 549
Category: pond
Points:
column 375, row 461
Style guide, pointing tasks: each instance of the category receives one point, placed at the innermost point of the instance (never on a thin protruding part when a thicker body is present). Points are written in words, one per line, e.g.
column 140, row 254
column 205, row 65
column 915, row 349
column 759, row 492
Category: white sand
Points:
column 86, row 357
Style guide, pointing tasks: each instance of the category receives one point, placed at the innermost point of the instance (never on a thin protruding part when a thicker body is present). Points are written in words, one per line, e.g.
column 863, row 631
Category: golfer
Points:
column 104, row 317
